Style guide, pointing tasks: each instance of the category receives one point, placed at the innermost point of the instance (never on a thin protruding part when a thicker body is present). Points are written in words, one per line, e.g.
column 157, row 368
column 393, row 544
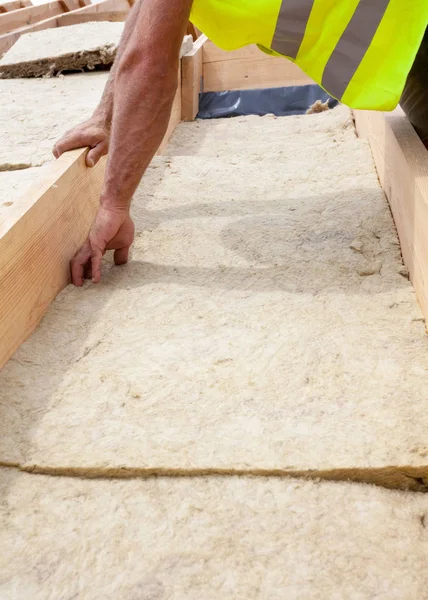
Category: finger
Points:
column 75, row 140
column 96, row 153
column 121, row 256
column 88, row 270
column 63, row 146
column 97, row 258
column 78, row 264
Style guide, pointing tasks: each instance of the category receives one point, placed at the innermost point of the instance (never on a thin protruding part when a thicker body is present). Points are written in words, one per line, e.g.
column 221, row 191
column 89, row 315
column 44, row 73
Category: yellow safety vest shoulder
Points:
column 359, row 51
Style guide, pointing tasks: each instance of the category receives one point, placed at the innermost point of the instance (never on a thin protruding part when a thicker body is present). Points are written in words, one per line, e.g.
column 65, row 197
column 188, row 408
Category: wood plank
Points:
column 15, row 5
column 8, row 39
column 39, row 237
column 114, row 16
column 69, row 5
column 36, row 247
column 247, row 68
column 213, row 53
column 33, row 14
column 402, row 165
column 191, row 80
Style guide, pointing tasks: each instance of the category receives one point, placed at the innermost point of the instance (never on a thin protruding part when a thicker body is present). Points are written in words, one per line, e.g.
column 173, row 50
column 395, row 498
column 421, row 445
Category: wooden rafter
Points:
column 8, row 39
column 402, row 165
column 15, row 5
column 191, row 74
column 34, row 14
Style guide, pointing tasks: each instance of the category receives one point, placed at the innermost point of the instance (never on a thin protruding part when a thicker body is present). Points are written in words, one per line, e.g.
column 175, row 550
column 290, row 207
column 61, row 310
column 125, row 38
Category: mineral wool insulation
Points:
column 73, row 48
column 263, row 325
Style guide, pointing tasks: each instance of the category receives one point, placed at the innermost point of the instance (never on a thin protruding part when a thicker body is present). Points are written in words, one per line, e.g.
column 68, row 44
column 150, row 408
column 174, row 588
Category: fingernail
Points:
column 90, row 162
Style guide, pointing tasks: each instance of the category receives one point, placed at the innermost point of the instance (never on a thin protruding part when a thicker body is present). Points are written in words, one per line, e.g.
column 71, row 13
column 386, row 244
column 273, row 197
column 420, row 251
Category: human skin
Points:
column 129, row 123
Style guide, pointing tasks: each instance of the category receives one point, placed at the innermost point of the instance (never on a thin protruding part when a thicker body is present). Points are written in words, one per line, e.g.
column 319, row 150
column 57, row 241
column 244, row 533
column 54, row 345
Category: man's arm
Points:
column 144, row 88
column 146, row 83
column 95, row 132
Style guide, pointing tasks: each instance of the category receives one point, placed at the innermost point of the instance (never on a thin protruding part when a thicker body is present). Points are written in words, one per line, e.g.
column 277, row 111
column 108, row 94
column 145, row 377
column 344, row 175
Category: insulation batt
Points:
column 263, row 325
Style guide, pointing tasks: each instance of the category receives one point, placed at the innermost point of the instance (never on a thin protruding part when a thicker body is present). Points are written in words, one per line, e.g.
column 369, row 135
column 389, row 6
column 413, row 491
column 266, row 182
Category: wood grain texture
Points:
column 38, row 240
column 8, row 39
column 191, row 80
column 247, row 68
column 34, row 14
column 113, row 16
column 402, row 165
column 69, row 5
column 15, row 5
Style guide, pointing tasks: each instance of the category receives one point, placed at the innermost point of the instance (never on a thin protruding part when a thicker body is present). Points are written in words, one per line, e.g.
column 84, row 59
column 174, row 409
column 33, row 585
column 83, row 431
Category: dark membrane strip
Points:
column 281, row 102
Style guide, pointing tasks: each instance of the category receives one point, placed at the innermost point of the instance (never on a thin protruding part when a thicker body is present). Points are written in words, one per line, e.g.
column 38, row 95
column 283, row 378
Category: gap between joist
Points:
column 393, row 478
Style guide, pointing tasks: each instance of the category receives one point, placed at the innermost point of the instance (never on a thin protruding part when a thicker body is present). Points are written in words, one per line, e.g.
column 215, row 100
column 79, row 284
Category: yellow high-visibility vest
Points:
column 359, row 51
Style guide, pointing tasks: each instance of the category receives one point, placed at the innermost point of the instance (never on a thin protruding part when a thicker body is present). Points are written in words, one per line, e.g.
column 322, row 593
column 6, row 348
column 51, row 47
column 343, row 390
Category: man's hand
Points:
column 112, row 229
column 93, row 133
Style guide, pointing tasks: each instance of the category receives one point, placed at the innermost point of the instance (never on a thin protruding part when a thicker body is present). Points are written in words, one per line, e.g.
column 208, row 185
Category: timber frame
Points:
column 14, row 5
column 56, row 14
column 50, row 222
column 207, row 68
column 401, row 161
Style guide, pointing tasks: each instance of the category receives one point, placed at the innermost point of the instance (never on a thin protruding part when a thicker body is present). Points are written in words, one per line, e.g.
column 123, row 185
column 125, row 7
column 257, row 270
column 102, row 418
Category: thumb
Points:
column 96, row 153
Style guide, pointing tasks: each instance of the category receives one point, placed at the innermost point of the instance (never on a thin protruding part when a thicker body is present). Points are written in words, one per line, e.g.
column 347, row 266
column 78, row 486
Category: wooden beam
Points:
column 191, row 80
column 8, row 39
column 69, row 5
column 247, row 68
column 40, row 236
column 15, row 5
column 116, row 16
column 33, row 14
column 35, row 249
column 402, row 165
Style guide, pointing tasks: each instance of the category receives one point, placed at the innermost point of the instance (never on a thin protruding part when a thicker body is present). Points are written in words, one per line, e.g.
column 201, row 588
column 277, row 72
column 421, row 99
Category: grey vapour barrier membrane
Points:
column 285, row 101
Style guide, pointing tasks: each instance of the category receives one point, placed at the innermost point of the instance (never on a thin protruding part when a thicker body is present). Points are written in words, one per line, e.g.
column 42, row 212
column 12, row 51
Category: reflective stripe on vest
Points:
column 291, row 26
column 353, row 45
column 350, row 50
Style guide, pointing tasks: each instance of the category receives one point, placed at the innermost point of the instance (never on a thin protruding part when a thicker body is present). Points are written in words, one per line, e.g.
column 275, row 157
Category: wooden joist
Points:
column 247, row 68
column 40, row 236
column 192, row 80
column 15, row 5
column 34, row 14
column 8, row 39
column 36, row 247
column 207, row 68
column 114, row 16
column 402, row 165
